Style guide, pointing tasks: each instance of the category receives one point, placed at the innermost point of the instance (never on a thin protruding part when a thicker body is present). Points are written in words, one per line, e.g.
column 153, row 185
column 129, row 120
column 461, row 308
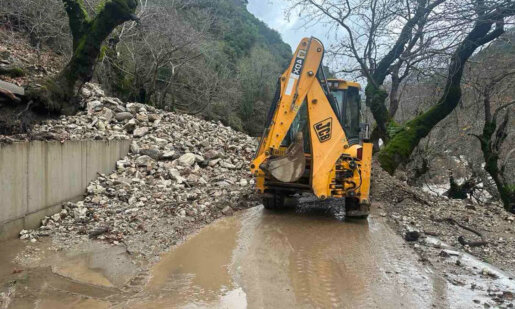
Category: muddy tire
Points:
column 273, row 201
column 355, row 210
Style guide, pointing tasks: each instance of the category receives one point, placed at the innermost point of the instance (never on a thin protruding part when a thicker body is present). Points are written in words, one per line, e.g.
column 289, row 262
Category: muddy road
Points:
column 255, row 259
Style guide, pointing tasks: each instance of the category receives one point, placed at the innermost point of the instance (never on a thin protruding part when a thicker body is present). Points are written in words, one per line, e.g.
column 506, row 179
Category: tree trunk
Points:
column 375, row 99
column 375, row 93
column 394, row 91
column 88, row 35
column 401, row 145
column 490, row 146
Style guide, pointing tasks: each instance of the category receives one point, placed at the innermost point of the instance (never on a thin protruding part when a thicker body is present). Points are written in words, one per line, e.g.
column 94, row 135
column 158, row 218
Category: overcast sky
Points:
column 272, row 13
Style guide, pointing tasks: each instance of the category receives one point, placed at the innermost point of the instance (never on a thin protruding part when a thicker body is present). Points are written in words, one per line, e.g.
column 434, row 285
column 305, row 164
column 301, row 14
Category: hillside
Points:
column 211, row 58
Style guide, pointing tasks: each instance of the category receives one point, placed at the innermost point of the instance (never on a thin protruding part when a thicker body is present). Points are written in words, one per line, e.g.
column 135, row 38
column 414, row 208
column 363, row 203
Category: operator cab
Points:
column 347, row 106
column 346, row 103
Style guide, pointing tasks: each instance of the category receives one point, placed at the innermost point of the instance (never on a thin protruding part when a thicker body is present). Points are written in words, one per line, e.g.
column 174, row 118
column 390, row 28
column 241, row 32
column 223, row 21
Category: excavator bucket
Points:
column 291, row 166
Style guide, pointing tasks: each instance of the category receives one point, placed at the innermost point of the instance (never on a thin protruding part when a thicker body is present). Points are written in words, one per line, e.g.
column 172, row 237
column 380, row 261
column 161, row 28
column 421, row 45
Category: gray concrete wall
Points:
column 37, row 177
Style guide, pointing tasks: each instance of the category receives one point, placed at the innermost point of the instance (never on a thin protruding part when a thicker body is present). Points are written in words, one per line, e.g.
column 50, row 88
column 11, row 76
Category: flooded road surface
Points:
column 255, row 259
column 262, row 259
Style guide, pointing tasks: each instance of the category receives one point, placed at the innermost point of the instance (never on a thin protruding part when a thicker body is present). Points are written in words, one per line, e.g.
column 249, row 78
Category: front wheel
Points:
column 273, row 201
column 355, row 209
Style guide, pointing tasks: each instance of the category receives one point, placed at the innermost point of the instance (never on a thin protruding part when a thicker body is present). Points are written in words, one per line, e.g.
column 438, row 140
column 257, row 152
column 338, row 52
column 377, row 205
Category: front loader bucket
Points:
column 291, row 166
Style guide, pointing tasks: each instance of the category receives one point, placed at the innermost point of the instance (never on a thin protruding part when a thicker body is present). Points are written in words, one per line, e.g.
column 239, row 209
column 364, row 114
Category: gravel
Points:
column 181, row 173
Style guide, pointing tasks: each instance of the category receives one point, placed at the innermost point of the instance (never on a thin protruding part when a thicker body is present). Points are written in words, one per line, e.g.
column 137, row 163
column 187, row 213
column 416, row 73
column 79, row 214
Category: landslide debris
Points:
column 181, row 172
column 459, row 239
column 484, row 230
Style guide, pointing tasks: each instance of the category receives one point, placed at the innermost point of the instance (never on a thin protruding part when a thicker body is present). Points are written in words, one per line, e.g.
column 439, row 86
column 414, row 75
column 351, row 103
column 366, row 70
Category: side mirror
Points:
column 364, row 132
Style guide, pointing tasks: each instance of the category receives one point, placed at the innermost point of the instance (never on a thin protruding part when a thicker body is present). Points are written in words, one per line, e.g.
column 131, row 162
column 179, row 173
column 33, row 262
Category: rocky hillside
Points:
column 210, row 58
column 181, row 172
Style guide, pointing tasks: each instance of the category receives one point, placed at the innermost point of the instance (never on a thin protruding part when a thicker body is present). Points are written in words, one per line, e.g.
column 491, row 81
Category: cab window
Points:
column 347, row 110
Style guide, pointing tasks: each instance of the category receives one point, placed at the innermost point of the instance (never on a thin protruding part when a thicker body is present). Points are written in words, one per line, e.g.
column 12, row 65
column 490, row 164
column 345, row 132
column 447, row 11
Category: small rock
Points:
column 130, row 126
column 176, row 175
column 187, row 159
column 211, row 154
column 213, row 163
column 93, row 106
column 85, row 92
column 227, row 211
column 228, row 165
column 153, row 153
column 56, row 217
column 106, row 114
column 411, row 236
column 134, row 148
column 168, row 155
column 144, row 160
column 142, row 117
column 140, row 132
column 123, row 116
column 192, row 179
column 153, row 117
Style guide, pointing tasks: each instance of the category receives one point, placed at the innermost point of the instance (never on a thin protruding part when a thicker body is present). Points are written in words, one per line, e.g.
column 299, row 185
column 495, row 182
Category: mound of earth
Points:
column 182, row 172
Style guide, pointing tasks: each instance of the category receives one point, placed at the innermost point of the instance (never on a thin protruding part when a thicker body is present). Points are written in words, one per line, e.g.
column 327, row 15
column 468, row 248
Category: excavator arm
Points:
column 299, row 85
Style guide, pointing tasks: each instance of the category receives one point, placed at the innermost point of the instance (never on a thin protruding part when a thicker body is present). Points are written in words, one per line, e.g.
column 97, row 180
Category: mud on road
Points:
column 255, row 259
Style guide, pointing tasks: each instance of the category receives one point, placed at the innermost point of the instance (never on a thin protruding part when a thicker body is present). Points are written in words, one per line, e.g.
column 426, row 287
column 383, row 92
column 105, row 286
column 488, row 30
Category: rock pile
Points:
column 415, row 212
column 181, row 172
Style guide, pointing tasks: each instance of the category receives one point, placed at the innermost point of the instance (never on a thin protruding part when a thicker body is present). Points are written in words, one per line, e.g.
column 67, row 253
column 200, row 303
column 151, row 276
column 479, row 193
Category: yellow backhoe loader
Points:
column 313, row 139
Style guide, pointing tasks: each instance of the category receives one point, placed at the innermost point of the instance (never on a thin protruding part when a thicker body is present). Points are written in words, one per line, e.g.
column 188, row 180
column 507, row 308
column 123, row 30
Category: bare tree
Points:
column 143, row 63
column 492, row 85
column 43, row 20
column 488, row 25
column 386, row 38
column 371, row 38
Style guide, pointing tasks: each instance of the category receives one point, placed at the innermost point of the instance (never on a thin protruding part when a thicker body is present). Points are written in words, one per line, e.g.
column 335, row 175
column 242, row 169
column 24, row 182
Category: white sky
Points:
column 272, row 12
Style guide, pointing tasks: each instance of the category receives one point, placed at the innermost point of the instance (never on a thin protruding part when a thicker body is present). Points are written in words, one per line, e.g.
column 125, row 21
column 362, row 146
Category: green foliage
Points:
column 241, row 31
column 232, row 79
column 100, row 6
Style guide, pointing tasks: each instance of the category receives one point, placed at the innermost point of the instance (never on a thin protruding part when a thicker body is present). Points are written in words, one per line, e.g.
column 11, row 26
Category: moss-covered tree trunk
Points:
column 375, row 93
column 402, row 144
column 375, row 99
column 491, row 141
column 88, row 35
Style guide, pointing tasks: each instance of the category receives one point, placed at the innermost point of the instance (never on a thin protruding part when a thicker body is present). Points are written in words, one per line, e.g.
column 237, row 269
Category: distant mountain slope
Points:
column 241, row 31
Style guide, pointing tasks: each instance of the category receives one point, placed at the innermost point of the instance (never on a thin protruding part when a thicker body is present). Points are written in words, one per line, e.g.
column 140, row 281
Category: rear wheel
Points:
column 273, row 201
column 355, row 209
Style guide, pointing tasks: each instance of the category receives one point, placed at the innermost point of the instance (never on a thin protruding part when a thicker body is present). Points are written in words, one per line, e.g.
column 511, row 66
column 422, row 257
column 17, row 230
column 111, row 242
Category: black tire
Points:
column 273, row 201
column 355, row 210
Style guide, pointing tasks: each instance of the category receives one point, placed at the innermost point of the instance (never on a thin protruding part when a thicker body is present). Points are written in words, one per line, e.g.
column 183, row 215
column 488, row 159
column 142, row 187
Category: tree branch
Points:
column 78, row 19
column 398, row 48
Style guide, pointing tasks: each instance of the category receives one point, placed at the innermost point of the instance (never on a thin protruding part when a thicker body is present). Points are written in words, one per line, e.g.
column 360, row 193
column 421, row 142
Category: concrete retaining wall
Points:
column 37, row 177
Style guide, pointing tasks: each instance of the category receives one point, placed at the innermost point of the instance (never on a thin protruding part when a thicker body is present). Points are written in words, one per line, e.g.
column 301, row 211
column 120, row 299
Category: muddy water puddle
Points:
column 255, row 259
